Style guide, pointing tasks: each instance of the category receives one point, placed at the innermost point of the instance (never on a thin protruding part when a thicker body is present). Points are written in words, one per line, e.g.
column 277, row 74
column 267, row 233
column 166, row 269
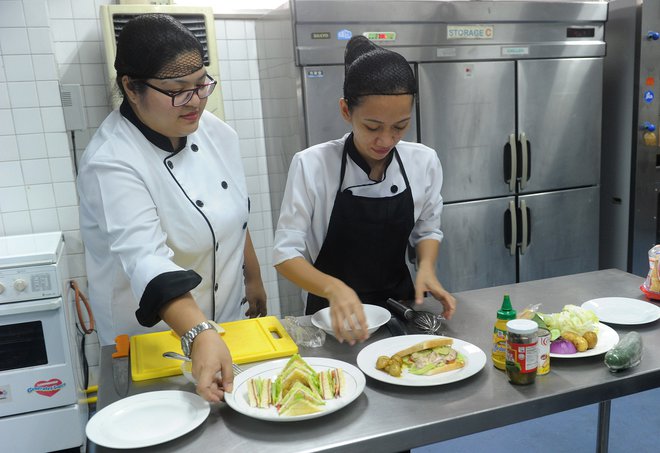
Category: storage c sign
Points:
column 470, row 31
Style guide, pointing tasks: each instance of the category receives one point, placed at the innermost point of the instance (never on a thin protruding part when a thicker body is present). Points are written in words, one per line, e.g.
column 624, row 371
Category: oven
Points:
column 42, row 405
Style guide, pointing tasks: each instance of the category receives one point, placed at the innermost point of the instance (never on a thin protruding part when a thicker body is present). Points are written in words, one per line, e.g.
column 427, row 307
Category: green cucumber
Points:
column 627, row 353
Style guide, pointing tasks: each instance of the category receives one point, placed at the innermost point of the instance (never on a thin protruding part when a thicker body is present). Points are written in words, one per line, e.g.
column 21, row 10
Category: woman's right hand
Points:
column 211, row 366
column 347, row 313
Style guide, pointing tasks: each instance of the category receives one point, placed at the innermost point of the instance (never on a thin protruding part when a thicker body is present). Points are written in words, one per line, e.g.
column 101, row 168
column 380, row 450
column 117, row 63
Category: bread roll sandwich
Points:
column 430, row 357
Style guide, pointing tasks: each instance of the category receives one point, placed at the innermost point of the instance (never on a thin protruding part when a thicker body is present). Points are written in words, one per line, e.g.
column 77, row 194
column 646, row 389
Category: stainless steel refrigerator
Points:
column 630, row 204
column 510, row 96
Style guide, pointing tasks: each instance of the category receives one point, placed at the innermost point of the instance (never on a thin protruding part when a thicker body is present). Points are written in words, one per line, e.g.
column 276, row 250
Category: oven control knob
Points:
column 20, row 284
column 2, row 288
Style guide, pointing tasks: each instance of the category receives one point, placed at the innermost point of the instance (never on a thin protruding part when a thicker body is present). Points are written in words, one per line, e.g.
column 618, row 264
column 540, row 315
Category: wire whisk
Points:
column 428, row 322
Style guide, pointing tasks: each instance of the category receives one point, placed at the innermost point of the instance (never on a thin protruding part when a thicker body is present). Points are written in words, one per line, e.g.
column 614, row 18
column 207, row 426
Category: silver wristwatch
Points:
column 188, row 337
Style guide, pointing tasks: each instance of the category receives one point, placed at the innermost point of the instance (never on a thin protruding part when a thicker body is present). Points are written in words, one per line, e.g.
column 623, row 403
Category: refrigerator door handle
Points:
column 524, row 174
column 513, row 146
column 513, row 225
column 524, row 220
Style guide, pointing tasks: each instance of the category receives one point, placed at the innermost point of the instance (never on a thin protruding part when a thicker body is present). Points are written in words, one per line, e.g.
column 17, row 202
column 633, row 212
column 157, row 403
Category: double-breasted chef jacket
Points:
column 158, row 222
column 313, row 182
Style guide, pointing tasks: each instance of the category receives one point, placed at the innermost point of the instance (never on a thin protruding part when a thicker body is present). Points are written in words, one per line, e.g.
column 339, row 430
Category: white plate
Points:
column 376, row 317
column 147, row 419
column 623, row 310
column 607, row 338
column 238, row 399
column 475, row 359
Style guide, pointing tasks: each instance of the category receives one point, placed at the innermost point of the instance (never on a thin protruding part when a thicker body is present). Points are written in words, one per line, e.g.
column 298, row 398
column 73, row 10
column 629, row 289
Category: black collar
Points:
column 154, row 137
column 355, row 155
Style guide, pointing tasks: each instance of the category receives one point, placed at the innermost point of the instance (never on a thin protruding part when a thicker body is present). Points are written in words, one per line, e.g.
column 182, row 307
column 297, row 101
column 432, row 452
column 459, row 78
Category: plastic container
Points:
column 651, row 286
column 504, row 314
column 522, row 356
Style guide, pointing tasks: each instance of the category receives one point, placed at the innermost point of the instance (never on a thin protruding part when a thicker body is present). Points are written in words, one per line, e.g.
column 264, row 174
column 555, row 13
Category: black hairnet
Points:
column 157, row 46
column 373, row 70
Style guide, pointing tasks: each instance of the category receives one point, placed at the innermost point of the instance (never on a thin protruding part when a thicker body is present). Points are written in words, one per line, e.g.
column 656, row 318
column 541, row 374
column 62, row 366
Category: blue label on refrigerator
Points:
column 344, row 35
column 649, row 96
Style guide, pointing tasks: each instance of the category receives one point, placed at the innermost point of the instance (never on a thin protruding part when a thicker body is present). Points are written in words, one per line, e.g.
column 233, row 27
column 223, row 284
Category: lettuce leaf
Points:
column 572, row 318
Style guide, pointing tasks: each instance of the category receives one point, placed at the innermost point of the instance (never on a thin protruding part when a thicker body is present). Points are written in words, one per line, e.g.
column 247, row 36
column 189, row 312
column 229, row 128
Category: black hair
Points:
column 373, row 70
column 156, row 46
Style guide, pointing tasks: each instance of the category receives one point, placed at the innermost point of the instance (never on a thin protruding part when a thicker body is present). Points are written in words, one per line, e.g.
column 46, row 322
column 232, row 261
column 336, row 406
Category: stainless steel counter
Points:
column 393, row 418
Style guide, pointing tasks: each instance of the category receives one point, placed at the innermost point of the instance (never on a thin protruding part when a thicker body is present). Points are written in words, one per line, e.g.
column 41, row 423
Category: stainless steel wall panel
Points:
column 559, row 111
column 429, row 42
column 564, row 233
column 468, row 112
column 473, row 253
column 630, row 210
column 446, row 11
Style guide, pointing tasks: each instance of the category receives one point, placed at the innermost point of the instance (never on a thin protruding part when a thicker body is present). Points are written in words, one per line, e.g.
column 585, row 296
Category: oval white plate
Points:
column 475, row 359
column 607, row 338
column 376, row 317
column 147, row 419
column 623, row 310
column 238, row 399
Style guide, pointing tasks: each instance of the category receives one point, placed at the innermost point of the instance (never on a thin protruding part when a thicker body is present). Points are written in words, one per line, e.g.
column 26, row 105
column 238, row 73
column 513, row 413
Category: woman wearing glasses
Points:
column 164, row 205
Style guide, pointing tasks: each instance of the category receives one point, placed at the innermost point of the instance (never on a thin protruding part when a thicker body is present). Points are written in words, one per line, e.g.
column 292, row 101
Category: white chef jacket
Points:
column 145, row 211
column 312, row 185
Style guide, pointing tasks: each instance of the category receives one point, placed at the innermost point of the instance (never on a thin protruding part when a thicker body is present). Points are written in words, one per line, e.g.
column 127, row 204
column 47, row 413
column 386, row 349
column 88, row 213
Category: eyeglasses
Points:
column 182, row 97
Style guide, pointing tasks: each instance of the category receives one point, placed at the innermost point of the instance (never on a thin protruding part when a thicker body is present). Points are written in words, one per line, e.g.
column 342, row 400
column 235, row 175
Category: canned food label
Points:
column 524, row 356
column 544, row 353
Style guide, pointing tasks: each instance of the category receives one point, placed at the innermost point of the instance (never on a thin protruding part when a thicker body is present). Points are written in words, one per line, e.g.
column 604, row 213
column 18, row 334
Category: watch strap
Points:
column 188, row 337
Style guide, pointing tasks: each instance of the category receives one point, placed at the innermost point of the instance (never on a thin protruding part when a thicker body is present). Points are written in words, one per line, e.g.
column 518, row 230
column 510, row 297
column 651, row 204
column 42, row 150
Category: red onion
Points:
column 561, row 346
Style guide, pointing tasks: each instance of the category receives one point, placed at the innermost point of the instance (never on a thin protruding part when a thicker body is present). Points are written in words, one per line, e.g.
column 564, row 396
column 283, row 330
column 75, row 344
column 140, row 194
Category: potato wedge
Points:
column 592, row 339
column 580, row 343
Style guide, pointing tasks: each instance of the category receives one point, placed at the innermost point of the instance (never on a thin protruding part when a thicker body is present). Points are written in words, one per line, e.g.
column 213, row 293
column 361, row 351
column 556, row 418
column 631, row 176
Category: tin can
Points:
column 544, row 351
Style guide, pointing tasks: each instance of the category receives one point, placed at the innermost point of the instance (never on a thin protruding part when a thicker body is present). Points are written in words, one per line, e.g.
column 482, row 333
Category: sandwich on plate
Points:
column 300, row 400
column 259, row 392
column 428, row 357
column 298, row 389
column 332, row 383
column 295, row 370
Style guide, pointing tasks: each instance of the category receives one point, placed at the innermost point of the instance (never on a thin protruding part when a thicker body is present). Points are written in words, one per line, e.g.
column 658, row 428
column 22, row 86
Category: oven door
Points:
column 36, row 370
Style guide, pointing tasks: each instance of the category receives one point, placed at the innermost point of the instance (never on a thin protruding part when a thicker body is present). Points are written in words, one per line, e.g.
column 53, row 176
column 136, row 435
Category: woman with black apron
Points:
column 351, row 206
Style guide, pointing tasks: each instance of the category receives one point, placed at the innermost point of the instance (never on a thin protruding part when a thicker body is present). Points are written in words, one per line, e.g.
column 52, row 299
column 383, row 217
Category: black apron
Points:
column 366, row 244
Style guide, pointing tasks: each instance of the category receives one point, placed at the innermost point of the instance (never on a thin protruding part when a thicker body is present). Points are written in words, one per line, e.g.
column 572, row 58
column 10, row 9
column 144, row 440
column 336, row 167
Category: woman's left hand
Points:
column 427, row 281
column 255, row 296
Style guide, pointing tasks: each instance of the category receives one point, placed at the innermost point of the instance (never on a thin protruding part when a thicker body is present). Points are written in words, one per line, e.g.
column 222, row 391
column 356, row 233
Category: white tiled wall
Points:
column 44, row 43
column 239, row 76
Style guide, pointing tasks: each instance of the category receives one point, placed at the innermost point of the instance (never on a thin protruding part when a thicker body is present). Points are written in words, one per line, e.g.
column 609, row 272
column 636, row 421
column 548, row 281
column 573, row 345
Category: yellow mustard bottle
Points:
column 504, row 314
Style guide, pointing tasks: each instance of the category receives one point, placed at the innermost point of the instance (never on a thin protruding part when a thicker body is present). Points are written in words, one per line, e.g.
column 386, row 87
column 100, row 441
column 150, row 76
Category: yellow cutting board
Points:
column 248, row 340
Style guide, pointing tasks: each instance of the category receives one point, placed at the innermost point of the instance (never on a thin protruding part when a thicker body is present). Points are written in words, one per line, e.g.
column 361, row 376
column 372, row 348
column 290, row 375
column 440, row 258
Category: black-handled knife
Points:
column 120, row 365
